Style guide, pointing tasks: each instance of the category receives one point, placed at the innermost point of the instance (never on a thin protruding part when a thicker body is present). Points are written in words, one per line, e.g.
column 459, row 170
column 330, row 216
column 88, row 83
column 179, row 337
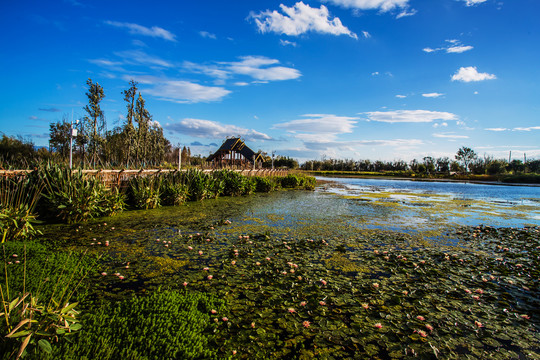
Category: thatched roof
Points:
column 236, row 145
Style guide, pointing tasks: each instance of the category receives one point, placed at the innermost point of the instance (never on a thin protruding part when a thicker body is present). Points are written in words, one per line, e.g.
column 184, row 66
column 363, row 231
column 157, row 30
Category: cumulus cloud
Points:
column 468, row 74
column 178, row 91
column 213, row 130
column 410, row 116
column 382, row 5
column 320, row 124
column 136, row 29
column 300, row 19
column 432, row 95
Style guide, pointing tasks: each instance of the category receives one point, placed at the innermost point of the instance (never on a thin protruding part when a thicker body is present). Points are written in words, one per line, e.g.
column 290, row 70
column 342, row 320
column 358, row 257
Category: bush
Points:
column 290, row 181
column 174, row 191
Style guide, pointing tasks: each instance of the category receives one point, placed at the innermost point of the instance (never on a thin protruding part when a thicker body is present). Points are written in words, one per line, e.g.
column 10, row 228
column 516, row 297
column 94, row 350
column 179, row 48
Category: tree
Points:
column 128, row 133
column 142, row 117
column 95, row 121
column 465, row 155
column 443, row 165
column 59, row 137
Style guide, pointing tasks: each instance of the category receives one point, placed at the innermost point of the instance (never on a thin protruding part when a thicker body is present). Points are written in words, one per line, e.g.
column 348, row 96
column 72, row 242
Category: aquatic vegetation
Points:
column 168, row 324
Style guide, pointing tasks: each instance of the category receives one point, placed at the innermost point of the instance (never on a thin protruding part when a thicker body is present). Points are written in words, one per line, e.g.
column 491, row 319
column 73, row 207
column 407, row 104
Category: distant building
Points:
column 234, row 153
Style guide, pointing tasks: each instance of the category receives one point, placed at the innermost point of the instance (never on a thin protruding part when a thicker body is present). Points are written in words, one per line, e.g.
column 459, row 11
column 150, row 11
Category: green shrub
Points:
column 290, row 181
column 199, row 185
column 263, row 184
column 164, row 325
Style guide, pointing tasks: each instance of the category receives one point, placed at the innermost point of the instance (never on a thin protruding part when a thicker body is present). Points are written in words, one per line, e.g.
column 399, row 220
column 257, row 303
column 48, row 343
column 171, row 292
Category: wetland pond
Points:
column 358, row 268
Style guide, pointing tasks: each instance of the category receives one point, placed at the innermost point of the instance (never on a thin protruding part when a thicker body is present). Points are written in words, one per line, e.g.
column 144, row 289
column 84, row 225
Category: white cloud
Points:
column 138, row 57
column 473, row 2
column 497, row 129
column 526, row 128
column 454, row 47
column 179, row 91
column 410, row 116
column 214, row 130
column 401, row 96
column 287, row 42
column 259, row 68
column 382, row 5
column 323, row 144
column 458, row 49
column 443, row 124
column 241, row 83
column 450, row 136
column 468, row 74
column 405, row 13
column 366, row 34
column 300, row 19
column 206, row 34
column 375, row 73
column 320, row 124
column 432, row 95
column 136, row 29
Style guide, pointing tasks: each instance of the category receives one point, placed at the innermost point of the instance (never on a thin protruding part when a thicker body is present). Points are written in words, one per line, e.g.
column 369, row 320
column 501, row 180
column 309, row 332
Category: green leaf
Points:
column 68, row 308
column 19, row 334
column 45, row 346
column 76, row 327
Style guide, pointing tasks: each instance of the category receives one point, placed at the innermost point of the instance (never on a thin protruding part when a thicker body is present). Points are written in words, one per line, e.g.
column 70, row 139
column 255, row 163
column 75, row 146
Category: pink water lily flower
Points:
column 420, row 317
column 378, row 325
column 306, row 324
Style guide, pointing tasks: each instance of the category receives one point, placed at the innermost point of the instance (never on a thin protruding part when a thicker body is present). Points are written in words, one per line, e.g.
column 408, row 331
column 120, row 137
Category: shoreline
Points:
column 401, row 178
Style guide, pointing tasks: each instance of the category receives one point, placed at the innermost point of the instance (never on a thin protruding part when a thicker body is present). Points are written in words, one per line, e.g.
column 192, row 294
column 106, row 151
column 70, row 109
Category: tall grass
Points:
column 18, row 200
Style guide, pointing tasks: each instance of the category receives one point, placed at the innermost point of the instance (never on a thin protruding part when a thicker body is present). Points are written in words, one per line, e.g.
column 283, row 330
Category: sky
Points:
column 313, row 79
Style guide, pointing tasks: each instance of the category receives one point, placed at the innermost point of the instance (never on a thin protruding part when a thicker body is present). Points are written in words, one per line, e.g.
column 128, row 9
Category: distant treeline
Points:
column 466, row 161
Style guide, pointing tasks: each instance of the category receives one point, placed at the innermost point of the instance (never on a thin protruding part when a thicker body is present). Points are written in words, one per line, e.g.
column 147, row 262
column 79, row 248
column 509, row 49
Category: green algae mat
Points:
column 308, row 275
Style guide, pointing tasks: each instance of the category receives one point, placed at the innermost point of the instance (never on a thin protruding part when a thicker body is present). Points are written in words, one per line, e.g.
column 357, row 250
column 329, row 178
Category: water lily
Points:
column 206, row 268
column 225, row 318
column 322, row 303
column 291, row 310
column 376, row 285
column 421, row 318
column 378, row 325
column 478, row 324
column 306, row 324
column 365, row 305
column 525, row 316
column 429, row 327
column 200, row 252
column 209, row 277
column 190, row 247
column 253, row 325
column 184, row 283
column 121, row 277
column 213, row 311
column 422, row 333
column 323, row 282
column 104, row 273
column 303, row 303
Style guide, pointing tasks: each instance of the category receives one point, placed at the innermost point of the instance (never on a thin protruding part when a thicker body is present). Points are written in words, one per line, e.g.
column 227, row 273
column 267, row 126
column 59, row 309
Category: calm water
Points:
column 350, row 204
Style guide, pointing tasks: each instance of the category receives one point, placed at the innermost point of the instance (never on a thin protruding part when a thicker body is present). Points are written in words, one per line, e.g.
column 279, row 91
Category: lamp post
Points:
column 73, row 133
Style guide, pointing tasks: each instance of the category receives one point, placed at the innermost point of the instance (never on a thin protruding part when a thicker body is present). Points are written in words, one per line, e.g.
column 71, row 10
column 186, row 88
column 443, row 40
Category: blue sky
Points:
column 355, row 79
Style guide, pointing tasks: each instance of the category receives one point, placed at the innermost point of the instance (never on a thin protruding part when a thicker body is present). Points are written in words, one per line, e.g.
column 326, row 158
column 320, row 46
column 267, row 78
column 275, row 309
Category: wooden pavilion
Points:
column 234, row 153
